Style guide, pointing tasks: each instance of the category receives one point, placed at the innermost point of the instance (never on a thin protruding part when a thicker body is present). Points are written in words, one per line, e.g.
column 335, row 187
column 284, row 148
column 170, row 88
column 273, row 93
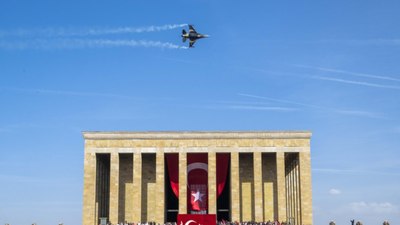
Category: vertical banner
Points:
column 173, row 171
column 222, row 171
column 197, row 180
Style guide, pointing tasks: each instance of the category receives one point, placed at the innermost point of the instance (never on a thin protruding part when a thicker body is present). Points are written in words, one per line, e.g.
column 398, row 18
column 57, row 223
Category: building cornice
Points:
column 157, row 135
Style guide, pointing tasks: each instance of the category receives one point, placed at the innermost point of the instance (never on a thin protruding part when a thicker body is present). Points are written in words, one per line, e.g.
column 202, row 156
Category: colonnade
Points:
column 265, row 183
column 285, row 190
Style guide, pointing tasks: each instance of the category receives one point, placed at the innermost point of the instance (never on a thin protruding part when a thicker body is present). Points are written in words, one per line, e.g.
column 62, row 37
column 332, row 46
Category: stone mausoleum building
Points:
column 239, row 176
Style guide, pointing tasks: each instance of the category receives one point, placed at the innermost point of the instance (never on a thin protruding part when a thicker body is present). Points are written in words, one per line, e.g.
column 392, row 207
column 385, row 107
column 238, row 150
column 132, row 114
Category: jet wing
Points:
column 191, row 29
column 191, row 43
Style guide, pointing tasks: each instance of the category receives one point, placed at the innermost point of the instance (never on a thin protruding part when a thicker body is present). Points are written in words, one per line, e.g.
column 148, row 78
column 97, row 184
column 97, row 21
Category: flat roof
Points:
column 99, row 135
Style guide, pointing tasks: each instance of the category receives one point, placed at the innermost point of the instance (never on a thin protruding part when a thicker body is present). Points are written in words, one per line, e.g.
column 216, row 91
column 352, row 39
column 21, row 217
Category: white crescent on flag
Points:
column 197, row 165
column 190, row 221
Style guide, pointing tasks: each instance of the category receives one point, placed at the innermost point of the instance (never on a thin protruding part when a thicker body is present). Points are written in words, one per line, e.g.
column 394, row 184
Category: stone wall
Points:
column 269, row 186
column 126, row 204
column 246, row 187
column 149, row 191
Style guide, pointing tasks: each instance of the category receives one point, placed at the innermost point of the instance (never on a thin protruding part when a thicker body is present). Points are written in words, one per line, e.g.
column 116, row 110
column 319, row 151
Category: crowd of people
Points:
column 358, row 222
column 276, row 222
column 222, row 222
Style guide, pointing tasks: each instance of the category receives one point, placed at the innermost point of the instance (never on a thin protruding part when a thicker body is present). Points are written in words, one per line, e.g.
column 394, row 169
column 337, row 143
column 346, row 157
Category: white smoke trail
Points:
column 69, row 32
column 45, row 44
column 129, row 43
column 125, row 30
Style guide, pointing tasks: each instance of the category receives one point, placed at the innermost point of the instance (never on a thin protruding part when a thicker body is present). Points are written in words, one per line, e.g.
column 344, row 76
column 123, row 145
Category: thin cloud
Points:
column 352, row 73
column 280, row 100
column 251, row 106
column 335, row 78
column 70, row 93
column 261, row 108
column 69, row 32
column 334, row 191
column 339, row 111
column 357, row 82
column 257, row 103
column 45, row 44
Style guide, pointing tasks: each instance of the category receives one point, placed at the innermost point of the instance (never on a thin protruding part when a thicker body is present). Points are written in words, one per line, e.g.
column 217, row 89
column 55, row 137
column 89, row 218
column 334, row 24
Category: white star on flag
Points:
column 197, row 196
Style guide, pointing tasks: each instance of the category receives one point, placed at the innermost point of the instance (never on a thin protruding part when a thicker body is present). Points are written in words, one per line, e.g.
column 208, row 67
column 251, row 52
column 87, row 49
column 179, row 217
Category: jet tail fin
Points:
column 183, row 31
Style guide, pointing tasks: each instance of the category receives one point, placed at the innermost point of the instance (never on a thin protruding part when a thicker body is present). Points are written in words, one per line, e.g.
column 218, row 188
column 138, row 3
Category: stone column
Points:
column 114, row 187
column 269, row 179
column 297, row 178
column 160, row 197
column 89, row 190
column 212, row 183
column 287, row 199
column 281, row 186
column 137, row 186
column 305, row 187
column 182, row 183
column 235, row 198
column 258, row 192
column 291, row 215
column 126, row 204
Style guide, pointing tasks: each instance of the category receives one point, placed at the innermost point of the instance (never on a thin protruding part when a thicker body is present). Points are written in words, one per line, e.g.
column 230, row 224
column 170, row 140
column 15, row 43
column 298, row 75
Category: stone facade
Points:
column 262, row 184
column 126, row 205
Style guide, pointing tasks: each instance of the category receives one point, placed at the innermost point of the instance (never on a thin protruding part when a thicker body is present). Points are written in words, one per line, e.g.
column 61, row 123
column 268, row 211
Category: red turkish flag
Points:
column 197, row 182
column 190, row 219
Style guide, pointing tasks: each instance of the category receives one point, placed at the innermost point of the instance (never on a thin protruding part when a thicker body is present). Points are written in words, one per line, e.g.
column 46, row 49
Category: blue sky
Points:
column 331, row 67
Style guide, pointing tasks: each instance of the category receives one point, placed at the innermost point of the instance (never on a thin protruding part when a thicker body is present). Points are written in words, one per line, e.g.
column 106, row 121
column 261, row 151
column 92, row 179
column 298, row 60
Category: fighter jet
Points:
column 192, row 36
